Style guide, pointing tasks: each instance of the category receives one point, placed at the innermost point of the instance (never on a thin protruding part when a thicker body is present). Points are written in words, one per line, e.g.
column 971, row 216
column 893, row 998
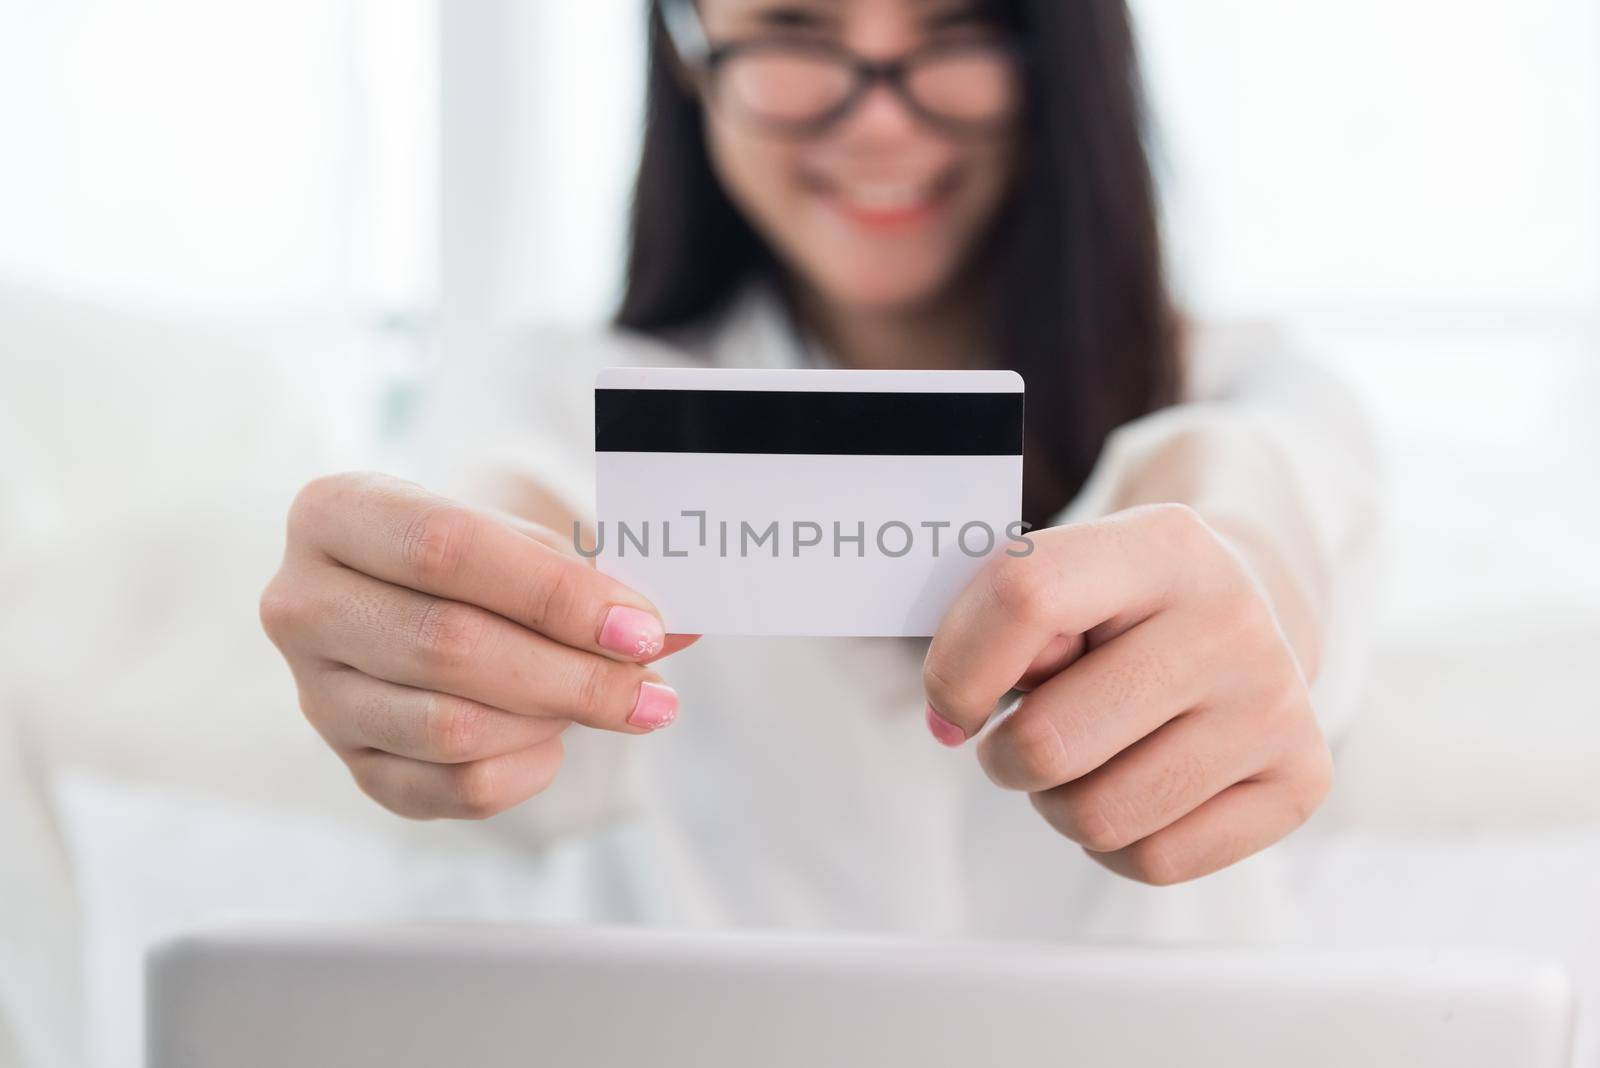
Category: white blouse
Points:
column 799, row 786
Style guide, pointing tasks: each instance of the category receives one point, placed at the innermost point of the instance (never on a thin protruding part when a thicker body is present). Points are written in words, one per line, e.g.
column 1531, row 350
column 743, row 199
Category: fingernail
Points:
column 656, row 707
column 946, row 732
column 632, row 632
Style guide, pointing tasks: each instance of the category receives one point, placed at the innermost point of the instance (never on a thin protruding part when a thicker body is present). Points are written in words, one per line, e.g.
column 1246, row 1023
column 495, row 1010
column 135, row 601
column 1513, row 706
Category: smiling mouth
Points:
column 883, row 205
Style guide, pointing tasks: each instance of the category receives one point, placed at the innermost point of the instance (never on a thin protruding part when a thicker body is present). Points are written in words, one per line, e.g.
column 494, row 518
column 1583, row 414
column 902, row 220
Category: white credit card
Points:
column 805, row 502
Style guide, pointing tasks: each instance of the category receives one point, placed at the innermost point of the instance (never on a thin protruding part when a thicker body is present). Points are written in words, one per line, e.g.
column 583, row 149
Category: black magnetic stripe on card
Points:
column 814, row 423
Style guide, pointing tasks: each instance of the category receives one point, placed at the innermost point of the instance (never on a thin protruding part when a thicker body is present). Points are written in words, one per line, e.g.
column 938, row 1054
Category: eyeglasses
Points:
column 799, row 87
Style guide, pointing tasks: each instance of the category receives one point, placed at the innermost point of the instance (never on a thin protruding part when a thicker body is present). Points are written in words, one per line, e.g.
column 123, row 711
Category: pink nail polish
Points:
column 632, row 632
column 946, row 732
column 656, row 707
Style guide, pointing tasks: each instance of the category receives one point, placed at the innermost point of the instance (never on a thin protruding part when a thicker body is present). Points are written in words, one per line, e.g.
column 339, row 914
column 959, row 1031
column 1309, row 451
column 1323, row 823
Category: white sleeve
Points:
column 525, row 407
column 1284, row 448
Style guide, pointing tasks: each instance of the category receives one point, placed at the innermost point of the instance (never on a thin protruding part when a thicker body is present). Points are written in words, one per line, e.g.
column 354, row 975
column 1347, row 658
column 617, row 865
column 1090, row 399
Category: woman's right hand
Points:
column 441, row 650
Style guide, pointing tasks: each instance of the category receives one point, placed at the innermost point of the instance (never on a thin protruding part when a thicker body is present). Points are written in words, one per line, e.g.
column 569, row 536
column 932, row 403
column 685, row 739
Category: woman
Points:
column 872, row 184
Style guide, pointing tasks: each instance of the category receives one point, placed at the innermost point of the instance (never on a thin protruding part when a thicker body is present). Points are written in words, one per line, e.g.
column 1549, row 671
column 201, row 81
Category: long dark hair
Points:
column 1078, row 304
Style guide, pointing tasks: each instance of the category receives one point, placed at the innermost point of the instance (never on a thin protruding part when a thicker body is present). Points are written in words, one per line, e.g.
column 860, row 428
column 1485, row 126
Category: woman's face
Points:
column 881, row 210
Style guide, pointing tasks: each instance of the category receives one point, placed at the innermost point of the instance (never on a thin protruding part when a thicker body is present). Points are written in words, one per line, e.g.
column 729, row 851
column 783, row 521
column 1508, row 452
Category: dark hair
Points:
column 1079, row 304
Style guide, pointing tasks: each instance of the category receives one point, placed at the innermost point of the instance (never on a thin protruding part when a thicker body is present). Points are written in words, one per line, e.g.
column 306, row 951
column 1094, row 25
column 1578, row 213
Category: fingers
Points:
column 428, row 643
column 1166, row 726
column 1157, row 781
column 1237, row 823
column 1078, row 579
column 1054, row 658
column 353, row 711
column 555, row 539
column 1097, row 707
column 674, row 643
column 470, row 791
column 400, row 533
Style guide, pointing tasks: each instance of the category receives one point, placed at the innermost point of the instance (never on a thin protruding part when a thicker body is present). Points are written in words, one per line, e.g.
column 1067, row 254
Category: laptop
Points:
column 489, row 996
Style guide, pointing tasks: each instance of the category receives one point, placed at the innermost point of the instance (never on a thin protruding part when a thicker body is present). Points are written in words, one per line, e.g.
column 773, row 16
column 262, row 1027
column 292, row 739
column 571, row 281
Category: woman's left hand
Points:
column 1166, row 725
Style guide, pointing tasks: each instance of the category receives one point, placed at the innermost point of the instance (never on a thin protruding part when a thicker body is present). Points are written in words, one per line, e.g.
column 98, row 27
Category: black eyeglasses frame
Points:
column 696, row 49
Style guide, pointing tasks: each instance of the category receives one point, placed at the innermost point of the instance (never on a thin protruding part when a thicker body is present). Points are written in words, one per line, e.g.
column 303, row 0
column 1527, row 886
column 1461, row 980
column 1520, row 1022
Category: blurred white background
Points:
column 235, row 235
